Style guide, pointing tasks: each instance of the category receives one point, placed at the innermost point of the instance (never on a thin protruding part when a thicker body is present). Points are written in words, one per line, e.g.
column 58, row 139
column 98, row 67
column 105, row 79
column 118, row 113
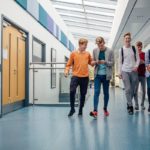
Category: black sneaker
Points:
column 80, row 112
column 149, row 108
column 128, row 107
column 142, row 107
column 71, row 113
column 137, row 108
column 131, row 111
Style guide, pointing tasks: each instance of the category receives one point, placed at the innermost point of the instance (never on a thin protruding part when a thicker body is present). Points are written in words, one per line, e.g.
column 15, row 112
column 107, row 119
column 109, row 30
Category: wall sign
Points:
column 5, row 54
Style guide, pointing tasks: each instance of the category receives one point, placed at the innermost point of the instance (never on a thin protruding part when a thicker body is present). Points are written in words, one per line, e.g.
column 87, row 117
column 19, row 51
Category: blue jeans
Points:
column 98, row 81
column 148, row 82
column 148, row 89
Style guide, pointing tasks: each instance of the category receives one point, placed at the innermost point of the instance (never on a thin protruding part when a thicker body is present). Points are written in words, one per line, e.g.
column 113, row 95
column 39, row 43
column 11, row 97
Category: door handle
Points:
column 15, row 71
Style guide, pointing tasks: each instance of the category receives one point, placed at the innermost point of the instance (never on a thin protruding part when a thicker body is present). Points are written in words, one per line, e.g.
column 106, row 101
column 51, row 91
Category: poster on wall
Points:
column 5, row 54
column 53, row 70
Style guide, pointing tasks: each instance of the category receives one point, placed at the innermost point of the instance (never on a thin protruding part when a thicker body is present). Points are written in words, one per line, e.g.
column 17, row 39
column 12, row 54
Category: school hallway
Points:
column 49, row 128
column 48, row 48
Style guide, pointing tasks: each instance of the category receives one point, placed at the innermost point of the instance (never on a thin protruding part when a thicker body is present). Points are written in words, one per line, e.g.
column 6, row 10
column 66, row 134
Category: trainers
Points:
column 71, row 113
column 131, row 111
column 128, row 107
column 137, row 108
column 93, row 114
column 143, row 107
column 106, row 113
column 149, row 108
column 80, row 112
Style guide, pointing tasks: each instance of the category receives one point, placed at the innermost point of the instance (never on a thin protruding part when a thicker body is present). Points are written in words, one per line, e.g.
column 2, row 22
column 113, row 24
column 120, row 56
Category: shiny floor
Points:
column 49, row 128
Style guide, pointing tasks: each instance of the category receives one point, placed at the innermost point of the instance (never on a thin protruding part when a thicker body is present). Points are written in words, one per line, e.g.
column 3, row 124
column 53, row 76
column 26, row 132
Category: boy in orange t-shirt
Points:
column 79, row 60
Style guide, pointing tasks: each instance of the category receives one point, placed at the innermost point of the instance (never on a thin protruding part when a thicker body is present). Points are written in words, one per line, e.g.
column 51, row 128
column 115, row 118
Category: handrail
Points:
column 51, row 66
column 44, row 63
column 46, row 68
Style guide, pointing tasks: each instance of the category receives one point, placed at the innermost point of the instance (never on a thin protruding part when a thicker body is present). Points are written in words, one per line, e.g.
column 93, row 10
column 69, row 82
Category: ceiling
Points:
column 87, row 18
column 138, row 24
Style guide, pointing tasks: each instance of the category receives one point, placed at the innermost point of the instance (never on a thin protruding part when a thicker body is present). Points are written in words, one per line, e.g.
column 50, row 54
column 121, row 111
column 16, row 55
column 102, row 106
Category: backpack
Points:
column 134, row 50
column 149, row 55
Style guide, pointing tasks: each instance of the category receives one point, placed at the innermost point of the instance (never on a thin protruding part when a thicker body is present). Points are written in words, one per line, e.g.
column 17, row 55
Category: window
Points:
column 53, row 71
column 38, row 51
column 66, row 60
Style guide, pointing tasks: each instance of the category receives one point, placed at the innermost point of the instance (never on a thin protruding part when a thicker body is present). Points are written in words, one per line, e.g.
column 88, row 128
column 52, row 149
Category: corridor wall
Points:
column 41, row 21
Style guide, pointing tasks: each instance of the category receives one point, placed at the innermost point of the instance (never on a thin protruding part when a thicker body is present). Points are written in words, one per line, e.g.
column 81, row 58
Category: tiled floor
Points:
column 49, row 128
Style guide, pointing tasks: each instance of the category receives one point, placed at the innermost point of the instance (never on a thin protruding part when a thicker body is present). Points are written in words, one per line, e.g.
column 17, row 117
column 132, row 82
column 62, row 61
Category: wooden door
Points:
column 13, row 65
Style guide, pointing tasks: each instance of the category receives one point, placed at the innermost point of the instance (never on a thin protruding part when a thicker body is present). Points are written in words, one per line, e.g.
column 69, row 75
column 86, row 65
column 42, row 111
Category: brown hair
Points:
column 82, row 41
column 127, row 34
column 100, row 40
column 139, row 43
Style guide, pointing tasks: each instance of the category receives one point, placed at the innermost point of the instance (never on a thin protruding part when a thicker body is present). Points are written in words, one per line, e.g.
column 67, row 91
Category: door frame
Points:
column 26, row 101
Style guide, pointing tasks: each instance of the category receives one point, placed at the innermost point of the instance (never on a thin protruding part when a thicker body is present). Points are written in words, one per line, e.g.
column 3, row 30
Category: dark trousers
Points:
column 75, row 82
column 101, row 79
column 142, row 81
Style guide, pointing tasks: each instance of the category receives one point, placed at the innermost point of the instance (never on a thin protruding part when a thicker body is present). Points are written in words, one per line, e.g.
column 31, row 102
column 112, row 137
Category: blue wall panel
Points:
column 71, row 47
column 50, row 24
column 67, row 43
column 40, row 14
column 63, row 38
column 23, row 3
column 33, row 8
column 57, row 32
column 43, row 16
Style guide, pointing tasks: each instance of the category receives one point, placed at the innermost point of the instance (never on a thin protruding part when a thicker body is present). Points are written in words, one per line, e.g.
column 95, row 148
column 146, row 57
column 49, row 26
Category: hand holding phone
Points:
column 101, row 62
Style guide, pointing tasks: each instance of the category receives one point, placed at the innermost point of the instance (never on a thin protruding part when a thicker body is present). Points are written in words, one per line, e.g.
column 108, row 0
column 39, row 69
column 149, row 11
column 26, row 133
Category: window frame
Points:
column 43, row 52
column 53, row 71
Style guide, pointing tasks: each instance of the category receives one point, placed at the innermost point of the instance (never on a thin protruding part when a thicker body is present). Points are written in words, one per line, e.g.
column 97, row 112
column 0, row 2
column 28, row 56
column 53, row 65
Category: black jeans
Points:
column 75, row 82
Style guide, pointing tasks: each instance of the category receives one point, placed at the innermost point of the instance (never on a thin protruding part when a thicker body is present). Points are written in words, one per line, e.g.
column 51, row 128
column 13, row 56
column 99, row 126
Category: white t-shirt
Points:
column 129, row 59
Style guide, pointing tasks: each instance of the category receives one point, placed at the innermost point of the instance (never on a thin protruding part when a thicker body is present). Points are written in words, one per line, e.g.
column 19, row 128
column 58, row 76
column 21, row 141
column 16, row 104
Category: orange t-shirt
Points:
column 79, row 62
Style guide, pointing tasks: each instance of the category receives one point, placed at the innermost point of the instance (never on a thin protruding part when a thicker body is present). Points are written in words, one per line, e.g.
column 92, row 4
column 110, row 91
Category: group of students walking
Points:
column 133, row 72
column 134, row 68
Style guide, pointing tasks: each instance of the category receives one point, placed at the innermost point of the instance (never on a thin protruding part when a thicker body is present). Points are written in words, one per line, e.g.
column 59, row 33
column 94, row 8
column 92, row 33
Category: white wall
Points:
column 56, row 17
column 147, row 48
column 90, row 47
column 20, row 17
column 123, row 10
